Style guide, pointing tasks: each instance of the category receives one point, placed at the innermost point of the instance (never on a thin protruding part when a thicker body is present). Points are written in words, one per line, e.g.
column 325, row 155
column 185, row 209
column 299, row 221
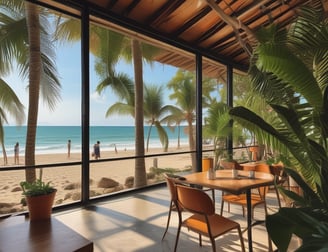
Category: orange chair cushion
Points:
column 218, row 224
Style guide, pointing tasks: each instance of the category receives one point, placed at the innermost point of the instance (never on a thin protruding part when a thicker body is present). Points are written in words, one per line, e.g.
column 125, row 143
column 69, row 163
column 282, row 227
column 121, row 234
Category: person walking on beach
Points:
column 96, row 150
column 16, row 153
column 69, row 148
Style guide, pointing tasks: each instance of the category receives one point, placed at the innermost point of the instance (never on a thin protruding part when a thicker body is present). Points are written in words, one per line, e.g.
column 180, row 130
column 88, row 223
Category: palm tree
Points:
column 156, row 113
column 135, row 47
column 183, row 85
column 140, row 178
column 42, row 77
column 184, row 92
column 30, row 44
column 289, row 69
column 134, row 51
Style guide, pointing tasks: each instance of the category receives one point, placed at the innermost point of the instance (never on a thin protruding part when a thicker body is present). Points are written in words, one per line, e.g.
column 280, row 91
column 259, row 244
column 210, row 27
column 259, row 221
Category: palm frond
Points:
column 121, row 109
column 10, row 103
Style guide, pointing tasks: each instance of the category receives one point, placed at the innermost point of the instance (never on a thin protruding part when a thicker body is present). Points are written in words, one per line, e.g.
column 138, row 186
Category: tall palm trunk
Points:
column 140, row 167
column 192, row 144
column 33, row 25
column 5, row 159
column 179, row 132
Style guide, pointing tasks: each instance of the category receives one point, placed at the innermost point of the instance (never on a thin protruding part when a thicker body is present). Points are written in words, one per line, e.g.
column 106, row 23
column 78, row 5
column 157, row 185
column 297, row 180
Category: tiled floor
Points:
column 136, row 223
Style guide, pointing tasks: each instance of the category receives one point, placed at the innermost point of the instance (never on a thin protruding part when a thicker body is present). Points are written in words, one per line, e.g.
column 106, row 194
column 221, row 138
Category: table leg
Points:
column 249, row 220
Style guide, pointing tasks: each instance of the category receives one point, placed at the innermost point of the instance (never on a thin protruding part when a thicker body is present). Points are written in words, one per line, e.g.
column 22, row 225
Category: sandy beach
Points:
column 67, row 179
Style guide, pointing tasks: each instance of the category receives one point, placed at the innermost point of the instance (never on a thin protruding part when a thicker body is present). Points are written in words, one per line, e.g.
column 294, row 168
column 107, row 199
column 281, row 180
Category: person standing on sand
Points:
column 96, row 150
column 16, row 153
column 69, row 148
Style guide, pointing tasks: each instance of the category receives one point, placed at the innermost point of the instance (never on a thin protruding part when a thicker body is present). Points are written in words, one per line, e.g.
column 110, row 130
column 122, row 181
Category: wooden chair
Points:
column 171, row 182
column 257, row 198
column 227, row 197
column 203, row 220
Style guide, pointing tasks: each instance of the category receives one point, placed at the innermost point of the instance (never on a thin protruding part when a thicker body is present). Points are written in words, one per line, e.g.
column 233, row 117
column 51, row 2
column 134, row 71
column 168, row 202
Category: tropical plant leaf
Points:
column 286, row 66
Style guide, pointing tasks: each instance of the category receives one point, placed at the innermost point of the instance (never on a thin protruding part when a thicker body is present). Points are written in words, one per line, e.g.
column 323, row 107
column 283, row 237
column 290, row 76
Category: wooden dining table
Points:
column 225, row 181
column 18, row 233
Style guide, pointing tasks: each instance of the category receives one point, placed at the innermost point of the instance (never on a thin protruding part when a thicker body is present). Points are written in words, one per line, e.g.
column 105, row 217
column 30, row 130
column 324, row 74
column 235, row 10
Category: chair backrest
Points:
column 172, row 187
column 266, row 169
column 194, row 200
column 263, row 168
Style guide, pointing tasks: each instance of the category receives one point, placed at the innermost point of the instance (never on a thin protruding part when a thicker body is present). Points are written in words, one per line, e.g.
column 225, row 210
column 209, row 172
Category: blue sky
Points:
column 67, row 111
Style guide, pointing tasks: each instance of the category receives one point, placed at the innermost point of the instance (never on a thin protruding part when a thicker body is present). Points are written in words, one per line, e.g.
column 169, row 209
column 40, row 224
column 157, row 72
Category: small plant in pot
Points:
column 39, row 197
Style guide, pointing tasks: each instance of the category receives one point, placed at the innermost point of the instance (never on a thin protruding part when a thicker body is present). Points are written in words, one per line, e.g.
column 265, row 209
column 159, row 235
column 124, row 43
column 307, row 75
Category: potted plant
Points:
column 39, row 198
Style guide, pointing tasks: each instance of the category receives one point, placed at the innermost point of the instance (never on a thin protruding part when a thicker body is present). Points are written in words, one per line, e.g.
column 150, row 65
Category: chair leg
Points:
column 270, row 244
column 213, row 244
column 241, row 240
column 168, row 221
column 200, row 240
column 177, row 238
column 265, row 209
column 222, row 204
column 213, row 196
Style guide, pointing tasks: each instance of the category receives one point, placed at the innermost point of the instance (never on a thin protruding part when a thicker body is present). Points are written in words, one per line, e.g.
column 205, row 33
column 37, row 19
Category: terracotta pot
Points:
column 40, row 207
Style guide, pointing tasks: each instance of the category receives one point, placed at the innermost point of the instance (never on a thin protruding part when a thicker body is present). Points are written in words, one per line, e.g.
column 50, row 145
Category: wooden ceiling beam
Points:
column 201, row 14
column 158, row 16
column 236, row 25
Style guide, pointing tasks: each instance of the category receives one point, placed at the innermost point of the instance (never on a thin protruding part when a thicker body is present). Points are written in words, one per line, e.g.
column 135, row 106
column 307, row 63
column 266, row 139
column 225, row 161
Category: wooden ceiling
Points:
column 221, row 30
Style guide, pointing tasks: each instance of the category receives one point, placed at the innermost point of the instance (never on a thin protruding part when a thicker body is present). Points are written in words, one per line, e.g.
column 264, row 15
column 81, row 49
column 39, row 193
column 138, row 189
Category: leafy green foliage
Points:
column 289, row 69
column 36, row 188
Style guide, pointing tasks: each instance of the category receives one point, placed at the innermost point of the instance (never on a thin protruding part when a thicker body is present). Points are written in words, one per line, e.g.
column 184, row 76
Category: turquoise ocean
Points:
column 53, row 139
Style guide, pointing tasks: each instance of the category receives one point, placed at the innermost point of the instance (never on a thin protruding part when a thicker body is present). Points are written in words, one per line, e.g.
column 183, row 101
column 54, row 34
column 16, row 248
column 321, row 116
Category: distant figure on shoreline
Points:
column 16, row 153
column 96, row 150
column 115, row 149
column 69, row 148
